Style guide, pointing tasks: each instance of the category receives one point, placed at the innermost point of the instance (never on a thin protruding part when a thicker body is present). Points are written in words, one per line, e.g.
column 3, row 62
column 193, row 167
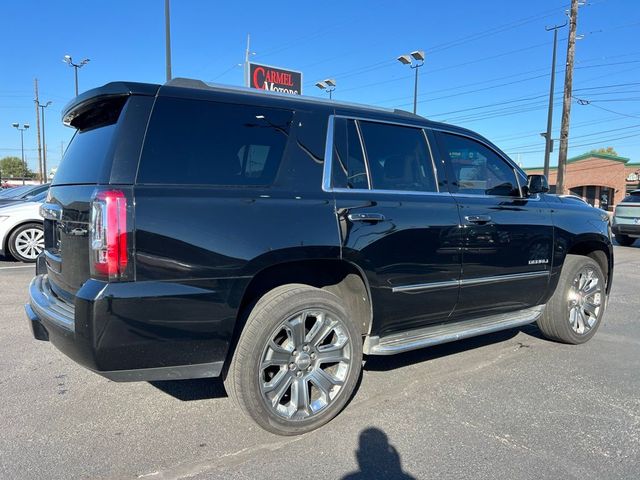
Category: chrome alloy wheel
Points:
column 29, row 243
column 585, row 300
column 305, row 364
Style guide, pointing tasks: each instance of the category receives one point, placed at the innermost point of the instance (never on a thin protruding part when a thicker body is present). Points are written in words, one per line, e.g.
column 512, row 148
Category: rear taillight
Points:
column 108, row 238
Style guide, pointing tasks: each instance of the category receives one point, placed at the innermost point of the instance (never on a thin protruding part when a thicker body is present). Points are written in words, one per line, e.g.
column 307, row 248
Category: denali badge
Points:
column 536, row 262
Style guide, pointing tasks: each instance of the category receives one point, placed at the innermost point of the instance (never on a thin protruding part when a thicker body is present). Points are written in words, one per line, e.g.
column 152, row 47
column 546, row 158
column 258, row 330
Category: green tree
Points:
column 606, row 151
column 13, row 167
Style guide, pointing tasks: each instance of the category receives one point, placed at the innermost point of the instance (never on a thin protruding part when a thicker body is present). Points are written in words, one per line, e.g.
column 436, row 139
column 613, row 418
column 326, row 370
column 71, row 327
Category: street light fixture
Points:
column 415, row 60
column 329, row 85
column 69, row 61
column 44, row 144
column 24, row 127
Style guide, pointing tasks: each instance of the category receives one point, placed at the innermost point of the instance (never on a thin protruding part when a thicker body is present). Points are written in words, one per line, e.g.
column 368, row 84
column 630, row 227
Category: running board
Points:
column 449, row 332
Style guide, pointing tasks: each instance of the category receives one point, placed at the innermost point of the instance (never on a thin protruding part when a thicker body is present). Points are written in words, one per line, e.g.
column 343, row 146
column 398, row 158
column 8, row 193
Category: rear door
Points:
column 395, row 222
column 506, row 238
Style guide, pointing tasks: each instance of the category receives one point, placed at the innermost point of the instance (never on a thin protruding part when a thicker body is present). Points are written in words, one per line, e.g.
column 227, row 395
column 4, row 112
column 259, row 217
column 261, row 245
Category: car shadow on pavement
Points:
column 377, row 458
column 189, row 390
column 384, row 363
column 210, row 388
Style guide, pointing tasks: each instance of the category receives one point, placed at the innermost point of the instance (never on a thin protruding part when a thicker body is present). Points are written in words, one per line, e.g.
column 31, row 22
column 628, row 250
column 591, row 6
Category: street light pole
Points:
column 22, row 129
column 69, row 61
column 328, row 85
column 415, row 60
column 547, row 135
column 44, row 143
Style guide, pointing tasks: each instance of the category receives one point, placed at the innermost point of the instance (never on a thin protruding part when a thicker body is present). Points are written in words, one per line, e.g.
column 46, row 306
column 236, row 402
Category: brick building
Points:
column 597, row 177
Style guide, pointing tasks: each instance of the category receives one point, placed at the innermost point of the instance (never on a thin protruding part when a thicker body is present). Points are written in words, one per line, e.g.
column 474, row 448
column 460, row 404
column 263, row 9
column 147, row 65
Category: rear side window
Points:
column 477, row 169
column 207, row 143
column 398, row 157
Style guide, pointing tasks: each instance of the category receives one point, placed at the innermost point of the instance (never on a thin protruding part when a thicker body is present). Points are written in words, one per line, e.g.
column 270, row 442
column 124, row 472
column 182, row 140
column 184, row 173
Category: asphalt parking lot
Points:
column 510, row 405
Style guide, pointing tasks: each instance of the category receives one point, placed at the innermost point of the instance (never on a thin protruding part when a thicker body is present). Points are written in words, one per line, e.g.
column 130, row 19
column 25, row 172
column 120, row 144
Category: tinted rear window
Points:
column 208, row 143
column 88, row 156
column 85, row 158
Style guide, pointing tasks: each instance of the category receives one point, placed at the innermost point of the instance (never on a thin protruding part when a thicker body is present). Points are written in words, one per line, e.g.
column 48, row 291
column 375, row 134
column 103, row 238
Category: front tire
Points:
column 26, row 242
column 624, row 240
column 575, row 310
column 297, row 361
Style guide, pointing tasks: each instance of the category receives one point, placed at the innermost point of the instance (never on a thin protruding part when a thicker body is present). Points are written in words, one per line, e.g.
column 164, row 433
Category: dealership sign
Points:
column 273, row 79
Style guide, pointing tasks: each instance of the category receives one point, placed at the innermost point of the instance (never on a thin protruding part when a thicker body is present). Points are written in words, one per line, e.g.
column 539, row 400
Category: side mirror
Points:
column 537, row 184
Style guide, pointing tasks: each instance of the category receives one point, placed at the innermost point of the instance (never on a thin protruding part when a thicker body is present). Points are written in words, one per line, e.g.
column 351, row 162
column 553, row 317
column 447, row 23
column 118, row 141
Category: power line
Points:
column 450, row 44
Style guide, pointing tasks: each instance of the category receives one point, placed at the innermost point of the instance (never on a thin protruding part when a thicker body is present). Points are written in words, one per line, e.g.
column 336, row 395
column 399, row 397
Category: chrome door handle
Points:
column 478, row 219
column 366, row 217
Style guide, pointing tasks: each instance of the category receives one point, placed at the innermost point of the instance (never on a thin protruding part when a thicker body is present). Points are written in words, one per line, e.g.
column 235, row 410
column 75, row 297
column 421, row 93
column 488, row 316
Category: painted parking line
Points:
column 20, row 266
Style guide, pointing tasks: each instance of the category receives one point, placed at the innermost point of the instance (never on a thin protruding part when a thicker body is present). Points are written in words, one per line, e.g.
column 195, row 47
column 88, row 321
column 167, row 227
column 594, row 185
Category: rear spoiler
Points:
column 85, row 101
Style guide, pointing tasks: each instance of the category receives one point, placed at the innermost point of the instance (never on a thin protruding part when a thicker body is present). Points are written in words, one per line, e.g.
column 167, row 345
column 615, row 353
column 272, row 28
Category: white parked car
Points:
column 21, row 233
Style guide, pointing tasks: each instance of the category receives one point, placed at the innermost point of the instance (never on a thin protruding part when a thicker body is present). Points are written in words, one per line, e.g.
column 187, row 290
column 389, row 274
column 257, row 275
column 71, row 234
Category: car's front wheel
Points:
column 574, row 312
column 297, row 361
column 26, row 242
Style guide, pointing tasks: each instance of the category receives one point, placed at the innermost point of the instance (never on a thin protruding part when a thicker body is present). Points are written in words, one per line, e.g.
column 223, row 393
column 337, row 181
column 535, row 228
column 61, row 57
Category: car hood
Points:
column 9, row 201
column 21, row 208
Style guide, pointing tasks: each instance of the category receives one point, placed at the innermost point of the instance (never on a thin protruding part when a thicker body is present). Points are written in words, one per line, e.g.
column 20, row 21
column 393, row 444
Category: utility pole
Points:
column 247, row 53
column 167, row 37
column 37, row 103
column 548, row 147
column 566, row 104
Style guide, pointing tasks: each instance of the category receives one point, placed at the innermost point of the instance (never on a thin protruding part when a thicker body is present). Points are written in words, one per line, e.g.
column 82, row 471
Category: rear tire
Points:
column 624, row 240
column 26, row 242
column 575, row 310
column 297, row 361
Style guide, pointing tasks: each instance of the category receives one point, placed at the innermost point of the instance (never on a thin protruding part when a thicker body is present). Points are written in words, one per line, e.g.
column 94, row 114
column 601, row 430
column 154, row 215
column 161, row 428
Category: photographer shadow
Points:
column 377, row 458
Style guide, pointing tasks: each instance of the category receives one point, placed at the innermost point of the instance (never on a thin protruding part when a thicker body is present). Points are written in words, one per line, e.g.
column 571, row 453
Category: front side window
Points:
column 398, row 157
column 476, row 168
column 207, row 143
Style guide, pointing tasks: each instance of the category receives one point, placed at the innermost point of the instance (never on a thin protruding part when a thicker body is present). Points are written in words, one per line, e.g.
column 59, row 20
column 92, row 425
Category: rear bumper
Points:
column 138, row 330
column 626, row 229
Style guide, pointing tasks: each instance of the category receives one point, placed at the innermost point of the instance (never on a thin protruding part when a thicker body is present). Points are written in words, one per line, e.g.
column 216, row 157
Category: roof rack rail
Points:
column 199, row 84
column 399, row 111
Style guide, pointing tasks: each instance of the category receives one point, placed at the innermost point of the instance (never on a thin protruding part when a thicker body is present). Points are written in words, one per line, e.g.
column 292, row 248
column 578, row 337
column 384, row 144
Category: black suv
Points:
column 201, row 231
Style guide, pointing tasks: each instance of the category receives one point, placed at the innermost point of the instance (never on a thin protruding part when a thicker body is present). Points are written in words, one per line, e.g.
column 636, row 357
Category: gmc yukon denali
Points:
column 198, row 231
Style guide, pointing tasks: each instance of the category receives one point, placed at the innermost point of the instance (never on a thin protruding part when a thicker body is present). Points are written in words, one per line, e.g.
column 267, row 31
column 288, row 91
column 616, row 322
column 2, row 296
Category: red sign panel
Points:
column 273, row 79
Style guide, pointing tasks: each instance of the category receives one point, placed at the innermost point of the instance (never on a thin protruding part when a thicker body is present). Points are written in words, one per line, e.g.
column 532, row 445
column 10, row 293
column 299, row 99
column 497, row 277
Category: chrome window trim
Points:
column 365, row 157
column 433, row 160
column 470, row 282
column 328, row 156
column 388, row 192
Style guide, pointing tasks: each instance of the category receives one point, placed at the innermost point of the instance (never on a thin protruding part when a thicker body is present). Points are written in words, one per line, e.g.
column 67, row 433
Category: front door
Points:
column 506, row 238
column 395, row 224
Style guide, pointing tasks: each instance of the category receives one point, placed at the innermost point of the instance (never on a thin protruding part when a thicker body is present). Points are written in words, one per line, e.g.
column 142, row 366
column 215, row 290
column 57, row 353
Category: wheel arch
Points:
column 342, row 278
column 599, row 251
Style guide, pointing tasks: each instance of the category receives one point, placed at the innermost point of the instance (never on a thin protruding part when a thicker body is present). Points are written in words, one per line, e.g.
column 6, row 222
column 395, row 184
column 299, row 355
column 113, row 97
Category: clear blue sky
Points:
column 487, row 64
